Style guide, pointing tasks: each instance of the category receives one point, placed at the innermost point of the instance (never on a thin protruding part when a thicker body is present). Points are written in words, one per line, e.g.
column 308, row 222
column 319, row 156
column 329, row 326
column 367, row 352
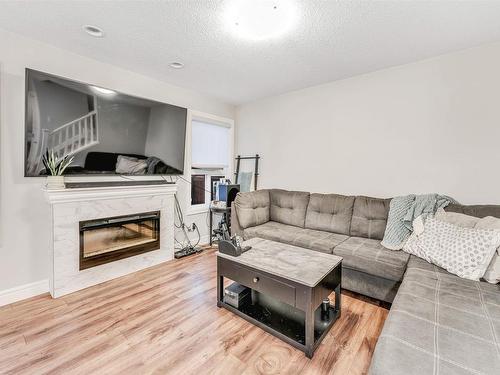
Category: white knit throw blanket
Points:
column 403, row 210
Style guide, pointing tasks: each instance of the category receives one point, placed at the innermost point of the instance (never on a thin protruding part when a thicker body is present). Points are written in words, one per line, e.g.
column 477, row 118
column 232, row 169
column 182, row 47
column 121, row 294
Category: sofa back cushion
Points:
column 369, row 217
column 330, row 213
column 252, row 208
column 480, row 211
column 289, row 207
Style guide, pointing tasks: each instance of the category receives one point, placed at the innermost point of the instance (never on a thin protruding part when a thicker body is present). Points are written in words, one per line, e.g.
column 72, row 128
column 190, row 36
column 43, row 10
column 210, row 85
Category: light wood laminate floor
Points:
column 164, row 320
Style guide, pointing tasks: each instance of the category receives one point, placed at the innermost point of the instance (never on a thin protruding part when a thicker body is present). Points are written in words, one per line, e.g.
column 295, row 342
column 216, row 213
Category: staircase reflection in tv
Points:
column 110, row 239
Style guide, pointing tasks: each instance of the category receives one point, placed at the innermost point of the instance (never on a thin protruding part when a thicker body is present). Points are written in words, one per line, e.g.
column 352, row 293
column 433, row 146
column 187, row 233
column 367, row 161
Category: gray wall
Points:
column 166, row 128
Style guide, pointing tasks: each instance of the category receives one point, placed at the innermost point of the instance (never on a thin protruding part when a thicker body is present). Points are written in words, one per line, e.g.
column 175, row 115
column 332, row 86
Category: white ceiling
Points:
column 332, row 40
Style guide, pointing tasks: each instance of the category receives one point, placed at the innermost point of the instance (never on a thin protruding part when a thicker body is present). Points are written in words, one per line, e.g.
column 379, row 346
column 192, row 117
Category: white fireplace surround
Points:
column 70, row 206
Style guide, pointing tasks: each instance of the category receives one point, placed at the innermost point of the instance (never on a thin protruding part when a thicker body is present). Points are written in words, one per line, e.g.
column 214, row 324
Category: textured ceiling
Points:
column 331, row 40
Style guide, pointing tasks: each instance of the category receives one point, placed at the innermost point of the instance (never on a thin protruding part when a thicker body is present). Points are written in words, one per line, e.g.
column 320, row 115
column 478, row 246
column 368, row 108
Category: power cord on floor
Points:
column 186, row 247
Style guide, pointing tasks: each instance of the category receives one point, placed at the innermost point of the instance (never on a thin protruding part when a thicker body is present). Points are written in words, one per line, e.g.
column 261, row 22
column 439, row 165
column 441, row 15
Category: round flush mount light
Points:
column 104, row 91
column 94, row 31
column 260, row 19
column 176, row 65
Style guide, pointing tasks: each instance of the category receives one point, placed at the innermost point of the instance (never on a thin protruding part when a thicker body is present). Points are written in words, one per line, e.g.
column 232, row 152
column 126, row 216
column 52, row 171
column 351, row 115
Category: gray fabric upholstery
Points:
column 369, row 285
column 369, row 256
column 289, row 207
column 477, row 210
column 416, row 263
column 369, row 217
column 252, row 208
column 330, row 212
column 440, row 323
column 307, row 238
column 236, row 229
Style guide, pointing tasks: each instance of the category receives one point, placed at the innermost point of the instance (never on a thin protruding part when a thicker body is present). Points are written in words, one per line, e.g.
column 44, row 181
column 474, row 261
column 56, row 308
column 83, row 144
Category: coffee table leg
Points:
column 220, row 289
column 337, row 300
column 309, row 325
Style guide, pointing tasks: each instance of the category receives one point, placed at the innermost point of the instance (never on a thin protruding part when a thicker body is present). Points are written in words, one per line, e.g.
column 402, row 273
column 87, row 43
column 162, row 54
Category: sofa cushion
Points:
column 252, row 208
column 369, row 256
column 369, row 217
column 307, row 238
column 439, row 322
column 330, row 212
column 475, row 210
column 369, row 285
column 289, row 207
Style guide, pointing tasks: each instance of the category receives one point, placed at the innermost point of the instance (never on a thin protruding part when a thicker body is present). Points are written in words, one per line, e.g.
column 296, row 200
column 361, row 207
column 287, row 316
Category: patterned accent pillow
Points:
column 465, row 252
column 416, row 243
column 492, row 274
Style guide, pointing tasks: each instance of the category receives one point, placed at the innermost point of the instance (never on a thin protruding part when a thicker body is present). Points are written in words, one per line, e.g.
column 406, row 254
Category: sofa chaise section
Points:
column 440, row 324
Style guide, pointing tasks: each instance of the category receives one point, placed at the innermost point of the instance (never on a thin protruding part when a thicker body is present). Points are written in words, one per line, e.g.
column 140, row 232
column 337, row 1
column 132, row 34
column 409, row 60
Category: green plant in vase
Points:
column 55, row 169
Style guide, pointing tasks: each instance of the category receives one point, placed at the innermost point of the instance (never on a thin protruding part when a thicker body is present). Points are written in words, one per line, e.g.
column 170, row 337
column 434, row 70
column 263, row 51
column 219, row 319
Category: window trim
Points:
column 226, row 172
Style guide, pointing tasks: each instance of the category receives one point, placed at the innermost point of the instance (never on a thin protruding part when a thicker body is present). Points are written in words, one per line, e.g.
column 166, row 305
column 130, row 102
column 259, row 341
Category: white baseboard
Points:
column 21, row 292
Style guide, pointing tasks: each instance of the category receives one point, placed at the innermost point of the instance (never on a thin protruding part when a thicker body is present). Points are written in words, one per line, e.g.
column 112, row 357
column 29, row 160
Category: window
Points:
column 211, row 157
column 197, row 189
column 210, row 145
column 202, row 188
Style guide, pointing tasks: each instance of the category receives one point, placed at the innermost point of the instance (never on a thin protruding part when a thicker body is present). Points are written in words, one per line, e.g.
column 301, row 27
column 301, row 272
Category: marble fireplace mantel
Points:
column 70, row 206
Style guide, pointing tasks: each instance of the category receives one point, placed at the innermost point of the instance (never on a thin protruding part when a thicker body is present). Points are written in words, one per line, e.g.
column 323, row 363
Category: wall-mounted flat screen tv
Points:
column 106, row 132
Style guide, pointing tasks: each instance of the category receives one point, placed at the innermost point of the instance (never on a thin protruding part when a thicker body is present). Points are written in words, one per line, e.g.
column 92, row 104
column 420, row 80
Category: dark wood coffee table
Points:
column 288, row 284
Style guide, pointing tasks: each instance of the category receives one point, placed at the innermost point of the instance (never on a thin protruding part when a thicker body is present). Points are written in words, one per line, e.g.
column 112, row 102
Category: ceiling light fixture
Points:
column 176, row 65
column 260, row 19
column 94, row 31
column 103, row 90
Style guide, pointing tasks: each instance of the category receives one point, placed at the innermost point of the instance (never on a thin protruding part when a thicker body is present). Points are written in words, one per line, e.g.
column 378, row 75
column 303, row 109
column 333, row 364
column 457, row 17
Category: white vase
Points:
column 55, row 182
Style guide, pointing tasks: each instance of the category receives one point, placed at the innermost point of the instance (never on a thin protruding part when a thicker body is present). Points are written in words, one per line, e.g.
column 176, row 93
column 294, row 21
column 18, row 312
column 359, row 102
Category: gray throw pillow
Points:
column 130, row 165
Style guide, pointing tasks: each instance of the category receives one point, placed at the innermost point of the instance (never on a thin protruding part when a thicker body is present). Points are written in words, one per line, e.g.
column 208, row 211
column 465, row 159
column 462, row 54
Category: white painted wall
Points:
column 24, row 214
column 430, row 126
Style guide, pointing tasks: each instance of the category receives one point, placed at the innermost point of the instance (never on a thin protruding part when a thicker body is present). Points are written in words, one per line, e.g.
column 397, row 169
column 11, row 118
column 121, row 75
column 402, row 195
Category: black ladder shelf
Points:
column 239, row 158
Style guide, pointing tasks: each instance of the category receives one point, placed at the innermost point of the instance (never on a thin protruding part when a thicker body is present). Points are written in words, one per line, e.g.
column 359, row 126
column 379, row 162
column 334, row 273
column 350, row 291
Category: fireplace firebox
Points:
column 108, row 239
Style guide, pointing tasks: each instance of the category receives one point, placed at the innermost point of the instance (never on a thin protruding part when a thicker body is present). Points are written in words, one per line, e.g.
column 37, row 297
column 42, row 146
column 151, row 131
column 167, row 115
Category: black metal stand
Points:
column 226, row 217
column 239, row 158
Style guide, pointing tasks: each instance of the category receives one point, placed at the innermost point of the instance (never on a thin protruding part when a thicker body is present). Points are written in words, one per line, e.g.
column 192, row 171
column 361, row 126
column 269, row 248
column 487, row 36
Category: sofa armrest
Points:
column 251, row 208
column 236, row 229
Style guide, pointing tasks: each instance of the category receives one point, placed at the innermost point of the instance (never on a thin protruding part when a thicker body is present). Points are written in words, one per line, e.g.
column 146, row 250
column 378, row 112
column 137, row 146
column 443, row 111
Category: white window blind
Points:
column 210, row 145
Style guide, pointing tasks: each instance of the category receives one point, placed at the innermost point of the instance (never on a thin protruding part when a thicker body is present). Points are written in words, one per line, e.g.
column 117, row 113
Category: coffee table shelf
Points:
column 283, row 320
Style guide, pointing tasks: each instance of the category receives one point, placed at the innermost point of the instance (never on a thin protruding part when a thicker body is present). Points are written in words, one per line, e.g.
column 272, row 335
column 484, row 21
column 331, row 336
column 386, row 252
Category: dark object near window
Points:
column 197, row 189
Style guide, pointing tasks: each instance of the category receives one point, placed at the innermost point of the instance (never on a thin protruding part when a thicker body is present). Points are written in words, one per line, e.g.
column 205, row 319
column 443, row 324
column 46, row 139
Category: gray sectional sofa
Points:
column 438, row 322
